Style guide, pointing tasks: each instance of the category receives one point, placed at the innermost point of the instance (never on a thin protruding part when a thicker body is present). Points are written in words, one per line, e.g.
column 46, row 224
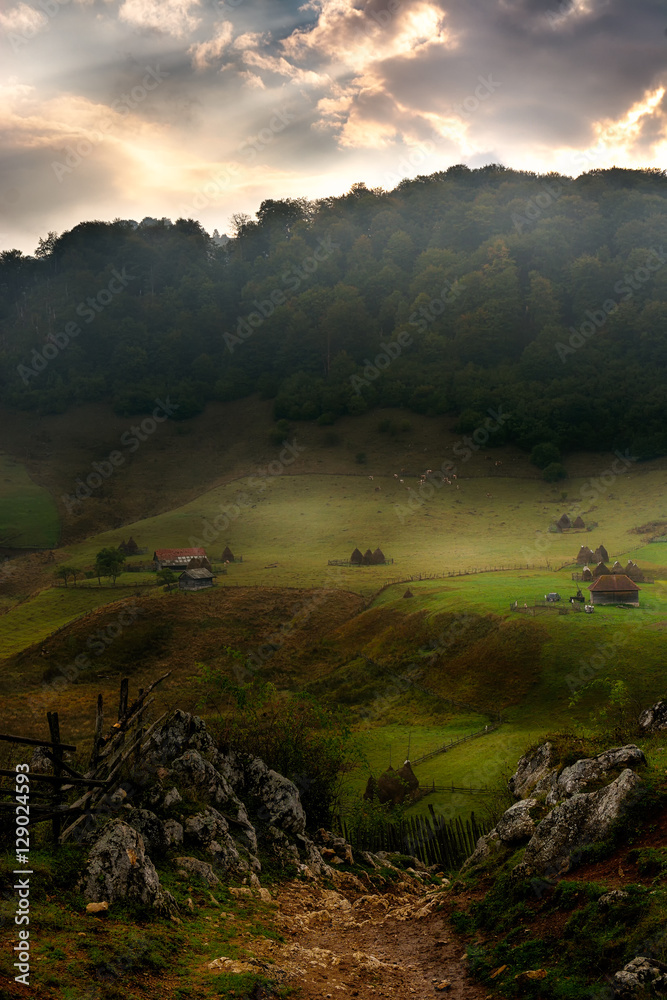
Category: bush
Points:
column 545, row 454
column 553, row 472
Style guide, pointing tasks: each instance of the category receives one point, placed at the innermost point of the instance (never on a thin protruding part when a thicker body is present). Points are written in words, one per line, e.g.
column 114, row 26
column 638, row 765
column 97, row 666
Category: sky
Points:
column 204, row 108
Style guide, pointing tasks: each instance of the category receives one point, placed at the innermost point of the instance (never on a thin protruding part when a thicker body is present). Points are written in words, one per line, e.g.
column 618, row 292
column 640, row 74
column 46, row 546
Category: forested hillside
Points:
column 455, row 293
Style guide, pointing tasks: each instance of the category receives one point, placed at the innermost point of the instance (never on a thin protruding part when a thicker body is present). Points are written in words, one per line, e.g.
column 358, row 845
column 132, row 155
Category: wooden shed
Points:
column 195, row 579
column 616, row 588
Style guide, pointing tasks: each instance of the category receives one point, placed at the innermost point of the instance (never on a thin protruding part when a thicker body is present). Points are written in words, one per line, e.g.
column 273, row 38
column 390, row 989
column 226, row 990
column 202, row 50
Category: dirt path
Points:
column 358, row 940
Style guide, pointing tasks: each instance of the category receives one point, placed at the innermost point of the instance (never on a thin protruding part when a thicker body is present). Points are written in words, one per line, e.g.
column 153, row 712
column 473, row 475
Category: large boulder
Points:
column 654, row 718
column 151, row 828
column 193, row 771
column 583, row 819
column 118, row 869
column 488, row 848
column 591, row 770
column 533, row 771
column 276, row 798
column 209, row 831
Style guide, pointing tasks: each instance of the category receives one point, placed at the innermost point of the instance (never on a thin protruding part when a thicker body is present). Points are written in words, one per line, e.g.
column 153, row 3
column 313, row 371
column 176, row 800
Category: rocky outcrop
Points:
column 562, row 816
column 240, row 805
column 654, row 719
column 118, row 869
column 640, row 978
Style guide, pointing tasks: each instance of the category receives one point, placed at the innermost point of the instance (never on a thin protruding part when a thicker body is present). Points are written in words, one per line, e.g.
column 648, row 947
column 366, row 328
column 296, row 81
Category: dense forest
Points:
column 454, row 293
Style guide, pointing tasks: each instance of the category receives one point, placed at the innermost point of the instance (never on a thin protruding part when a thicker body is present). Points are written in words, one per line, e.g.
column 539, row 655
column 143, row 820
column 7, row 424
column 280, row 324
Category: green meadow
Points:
column 28, row 513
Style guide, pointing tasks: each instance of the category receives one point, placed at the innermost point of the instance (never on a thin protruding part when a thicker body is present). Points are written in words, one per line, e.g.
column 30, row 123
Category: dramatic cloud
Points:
column 253, row 99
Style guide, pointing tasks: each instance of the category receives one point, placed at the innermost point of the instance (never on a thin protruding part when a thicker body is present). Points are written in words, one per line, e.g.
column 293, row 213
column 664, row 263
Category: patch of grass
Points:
column 28, row 514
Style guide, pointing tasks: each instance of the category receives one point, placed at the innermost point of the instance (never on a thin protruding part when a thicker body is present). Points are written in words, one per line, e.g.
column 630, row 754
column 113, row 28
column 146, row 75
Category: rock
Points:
column 583, row 819
column 151, row 829
column 614, row 898
column 488, row 847
column 632, row 981
column 196, row 772
column 280, row 804
column 97, row 908
column 118, row 868
column 654, row 718
column 591, row 770
column 192, row 866
column 173, row 832
column 40, row 763
column 180, row 732
column 172, row 798
column 532, row 770
column 516, row 824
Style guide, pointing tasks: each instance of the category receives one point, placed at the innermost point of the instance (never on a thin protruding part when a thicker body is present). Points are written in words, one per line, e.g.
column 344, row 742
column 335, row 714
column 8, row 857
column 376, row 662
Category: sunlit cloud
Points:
column 173, row 17
column 205, row 54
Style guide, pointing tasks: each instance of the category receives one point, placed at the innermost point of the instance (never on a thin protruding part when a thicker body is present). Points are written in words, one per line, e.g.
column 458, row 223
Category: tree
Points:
column 167, row 577
column 108, row 562
column 65, row 572
column 544, row 454
column 553, row 472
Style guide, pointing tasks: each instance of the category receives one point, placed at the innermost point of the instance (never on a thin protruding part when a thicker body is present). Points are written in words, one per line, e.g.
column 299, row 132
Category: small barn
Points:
column 564, row 522
column 578, row 522
column 195, row 579
column 356, row 558
column 614, row 588
column 176, row 558
column 585, row 556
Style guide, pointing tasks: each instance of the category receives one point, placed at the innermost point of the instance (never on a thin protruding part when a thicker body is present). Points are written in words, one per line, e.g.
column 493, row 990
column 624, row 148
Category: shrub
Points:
column 545, row 454
column 553, row 472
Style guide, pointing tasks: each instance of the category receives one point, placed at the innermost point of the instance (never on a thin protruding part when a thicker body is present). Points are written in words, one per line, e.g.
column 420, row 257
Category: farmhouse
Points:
column 195, row 579
column 176, row 558
column 616, row 588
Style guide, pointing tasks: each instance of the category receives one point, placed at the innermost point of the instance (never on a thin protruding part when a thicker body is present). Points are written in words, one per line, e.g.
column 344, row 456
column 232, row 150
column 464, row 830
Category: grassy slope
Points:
column 28, row 515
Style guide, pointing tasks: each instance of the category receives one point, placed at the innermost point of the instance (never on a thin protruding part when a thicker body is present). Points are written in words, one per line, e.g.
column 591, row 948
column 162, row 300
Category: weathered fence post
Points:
column 54, row 729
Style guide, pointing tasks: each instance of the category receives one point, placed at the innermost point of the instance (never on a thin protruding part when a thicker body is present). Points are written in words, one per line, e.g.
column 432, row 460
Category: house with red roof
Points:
column 614, row 588
column 178, row 558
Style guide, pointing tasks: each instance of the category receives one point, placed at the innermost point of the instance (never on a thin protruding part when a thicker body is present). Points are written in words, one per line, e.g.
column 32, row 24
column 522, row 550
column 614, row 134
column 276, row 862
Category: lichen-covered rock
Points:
column 180, row 732
column 640, row 976
column 151, row 829
column 118, row 868
column 487, row 848
column 591, row 770
column 209, row 831
column 187, row 867
column 516, row 823
column 173, row 831
column 654, row 718
column 533, row 771
column 614, row 898
column 278, row 798
column 583, row 819
column 194, row 771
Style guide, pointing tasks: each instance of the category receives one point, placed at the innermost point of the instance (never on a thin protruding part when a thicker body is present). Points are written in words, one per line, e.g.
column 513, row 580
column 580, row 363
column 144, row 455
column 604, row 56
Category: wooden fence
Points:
column 433, row 839
column 125, row 742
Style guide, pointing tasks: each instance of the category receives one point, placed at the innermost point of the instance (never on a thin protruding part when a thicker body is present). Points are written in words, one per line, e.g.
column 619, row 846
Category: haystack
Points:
column 371, row 789
column 390, row 786
column 227, row 555
column 601, row 570
column 586, row 573
column 564, row 522
column 408, row 593
column 578, row 522
column 367, row 558
column 199, row 562
column 585, row 556
column 617, row 568
column 601, row 554
column 407, row 775
column 356, row 558
column 378, row 557
column 633, row 571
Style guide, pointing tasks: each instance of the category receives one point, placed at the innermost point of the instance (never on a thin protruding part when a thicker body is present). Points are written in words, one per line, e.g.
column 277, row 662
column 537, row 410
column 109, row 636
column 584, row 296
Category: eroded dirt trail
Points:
column 360, row 941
